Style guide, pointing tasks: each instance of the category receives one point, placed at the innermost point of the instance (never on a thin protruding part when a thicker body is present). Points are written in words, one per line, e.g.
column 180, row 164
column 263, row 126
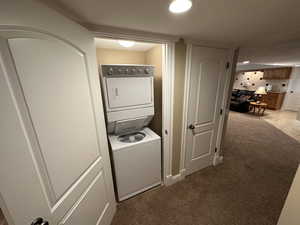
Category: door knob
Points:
column 39, row 221
column 192, row 127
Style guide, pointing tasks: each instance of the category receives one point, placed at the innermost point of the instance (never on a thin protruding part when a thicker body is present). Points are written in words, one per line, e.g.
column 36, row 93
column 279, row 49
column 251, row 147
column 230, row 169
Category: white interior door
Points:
column 292, row 98
column 207, row 71
column 54, row 160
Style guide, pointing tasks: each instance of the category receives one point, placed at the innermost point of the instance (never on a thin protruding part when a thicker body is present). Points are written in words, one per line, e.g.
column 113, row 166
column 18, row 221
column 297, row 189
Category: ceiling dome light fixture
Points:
column 180, row 6
column 126, row 44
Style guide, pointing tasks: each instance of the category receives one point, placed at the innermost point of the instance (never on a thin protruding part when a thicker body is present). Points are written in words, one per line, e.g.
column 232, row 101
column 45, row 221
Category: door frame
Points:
column 290, row 91
column 230, row 73
column 168, row 75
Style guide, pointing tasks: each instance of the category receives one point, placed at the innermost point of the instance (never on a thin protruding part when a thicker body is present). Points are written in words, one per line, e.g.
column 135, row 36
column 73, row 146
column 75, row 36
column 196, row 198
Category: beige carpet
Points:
column 285, row 121
column 249, row 188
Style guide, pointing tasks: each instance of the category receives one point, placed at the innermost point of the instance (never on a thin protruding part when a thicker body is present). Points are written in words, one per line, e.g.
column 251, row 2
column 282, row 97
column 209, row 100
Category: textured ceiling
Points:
column 268, row 32
column 285, row 54
column 238, row 22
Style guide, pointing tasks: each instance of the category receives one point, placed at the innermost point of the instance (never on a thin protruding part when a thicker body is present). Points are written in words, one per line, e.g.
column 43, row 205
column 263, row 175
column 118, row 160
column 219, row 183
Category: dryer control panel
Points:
column 127, row 70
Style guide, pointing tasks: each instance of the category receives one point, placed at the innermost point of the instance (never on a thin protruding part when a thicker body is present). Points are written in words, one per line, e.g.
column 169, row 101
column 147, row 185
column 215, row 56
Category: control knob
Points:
column 110, row 71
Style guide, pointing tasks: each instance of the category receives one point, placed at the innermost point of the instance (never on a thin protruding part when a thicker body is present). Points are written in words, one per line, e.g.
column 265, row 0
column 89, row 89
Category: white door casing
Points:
column 207, row 71
column 54, row 160
column 292, row 98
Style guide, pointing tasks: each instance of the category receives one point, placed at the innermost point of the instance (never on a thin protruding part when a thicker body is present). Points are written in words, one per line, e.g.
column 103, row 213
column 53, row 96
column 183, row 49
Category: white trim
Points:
column 128, row 34
column 168, row 59
column 217, row 158
column 231, row 78
column 185, row 106
column 176, row 178
column 167, row 102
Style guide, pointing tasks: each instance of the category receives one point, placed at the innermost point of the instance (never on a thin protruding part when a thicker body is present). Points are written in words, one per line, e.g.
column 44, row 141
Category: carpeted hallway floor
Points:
column 249, row 188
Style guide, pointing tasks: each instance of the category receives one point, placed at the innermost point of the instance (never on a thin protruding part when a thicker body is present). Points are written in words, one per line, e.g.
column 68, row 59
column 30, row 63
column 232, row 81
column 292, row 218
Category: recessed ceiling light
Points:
column 126, row 44
column 180, row 6
column 246, row 62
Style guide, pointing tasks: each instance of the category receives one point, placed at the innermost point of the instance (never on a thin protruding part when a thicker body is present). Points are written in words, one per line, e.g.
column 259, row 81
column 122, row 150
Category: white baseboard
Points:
column 183, row 173
column 176, row 178
column 218, row 159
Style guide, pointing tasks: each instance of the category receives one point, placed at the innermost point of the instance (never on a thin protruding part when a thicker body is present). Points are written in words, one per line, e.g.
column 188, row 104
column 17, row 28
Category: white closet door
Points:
column 207, row 79
column 292, row 98
column 54, row 160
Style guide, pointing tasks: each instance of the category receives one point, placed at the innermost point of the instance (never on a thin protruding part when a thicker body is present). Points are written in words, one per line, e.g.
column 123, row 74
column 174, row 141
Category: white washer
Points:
column 137, row 162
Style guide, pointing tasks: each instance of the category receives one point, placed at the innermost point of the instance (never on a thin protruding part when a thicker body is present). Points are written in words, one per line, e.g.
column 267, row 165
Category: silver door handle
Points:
column 117, row 92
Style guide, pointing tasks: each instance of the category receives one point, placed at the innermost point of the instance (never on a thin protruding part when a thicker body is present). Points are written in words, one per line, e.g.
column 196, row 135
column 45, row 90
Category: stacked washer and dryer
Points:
column 136, row 149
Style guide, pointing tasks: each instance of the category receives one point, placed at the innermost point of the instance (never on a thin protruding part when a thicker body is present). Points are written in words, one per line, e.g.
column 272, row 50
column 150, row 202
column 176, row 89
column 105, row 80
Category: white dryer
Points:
column 128, row 95
column 136, row 161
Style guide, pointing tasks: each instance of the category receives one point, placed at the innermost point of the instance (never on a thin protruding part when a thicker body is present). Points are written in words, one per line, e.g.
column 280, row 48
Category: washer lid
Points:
column 117, row 145
column 132, row 138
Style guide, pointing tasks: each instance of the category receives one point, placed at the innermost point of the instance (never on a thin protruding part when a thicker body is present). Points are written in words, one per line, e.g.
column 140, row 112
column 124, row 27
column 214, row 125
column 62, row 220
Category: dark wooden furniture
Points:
column 261, row 108
column 274, row 99
column 277, row 73
column 240, row 100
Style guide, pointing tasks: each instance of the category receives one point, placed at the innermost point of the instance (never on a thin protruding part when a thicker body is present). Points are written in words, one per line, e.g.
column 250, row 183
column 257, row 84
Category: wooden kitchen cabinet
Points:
column 274, row 99
column 277, row 73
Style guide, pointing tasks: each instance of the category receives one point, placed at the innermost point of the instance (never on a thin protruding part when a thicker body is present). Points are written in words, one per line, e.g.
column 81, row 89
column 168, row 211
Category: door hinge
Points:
column 216, row 149
column 227, row 65
column 221, row 111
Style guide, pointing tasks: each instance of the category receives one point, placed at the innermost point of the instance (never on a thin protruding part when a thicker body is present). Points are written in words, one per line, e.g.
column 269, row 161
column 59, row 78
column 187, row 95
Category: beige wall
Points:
column 180, row 57
column 150, row 57
column 112, row 56
column 254, row 79
column 154, row 57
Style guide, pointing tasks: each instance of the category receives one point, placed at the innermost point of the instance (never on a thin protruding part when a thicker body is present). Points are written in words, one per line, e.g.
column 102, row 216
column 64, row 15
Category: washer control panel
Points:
column 127, row 70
